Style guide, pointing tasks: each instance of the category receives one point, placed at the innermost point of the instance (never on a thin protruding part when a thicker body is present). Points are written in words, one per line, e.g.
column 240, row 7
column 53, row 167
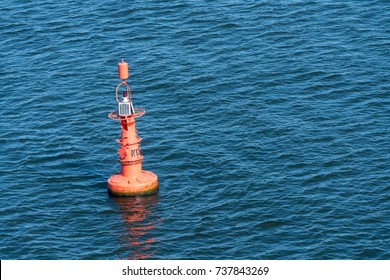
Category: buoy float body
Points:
column 132, row 180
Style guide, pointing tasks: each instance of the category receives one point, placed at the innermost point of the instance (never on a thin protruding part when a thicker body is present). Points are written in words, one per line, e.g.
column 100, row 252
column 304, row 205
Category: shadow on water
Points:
column 138, row 214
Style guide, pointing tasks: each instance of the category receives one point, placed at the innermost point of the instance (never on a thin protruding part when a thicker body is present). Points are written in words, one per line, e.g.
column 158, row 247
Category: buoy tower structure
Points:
column 132, row 180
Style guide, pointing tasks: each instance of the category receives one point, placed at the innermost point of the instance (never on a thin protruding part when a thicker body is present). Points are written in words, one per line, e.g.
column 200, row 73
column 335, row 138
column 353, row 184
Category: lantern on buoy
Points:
column 132, row 180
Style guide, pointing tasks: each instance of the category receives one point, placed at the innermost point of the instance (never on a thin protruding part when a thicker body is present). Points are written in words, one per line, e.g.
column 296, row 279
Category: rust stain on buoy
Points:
column 132, row 180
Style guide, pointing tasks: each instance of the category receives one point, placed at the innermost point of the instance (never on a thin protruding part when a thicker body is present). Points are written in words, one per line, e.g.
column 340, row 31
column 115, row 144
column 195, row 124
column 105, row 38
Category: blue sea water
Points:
column 267, row 123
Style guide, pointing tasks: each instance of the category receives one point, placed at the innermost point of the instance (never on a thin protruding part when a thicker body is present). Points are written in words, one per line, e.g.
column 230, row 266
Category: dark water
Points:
column 267, row 123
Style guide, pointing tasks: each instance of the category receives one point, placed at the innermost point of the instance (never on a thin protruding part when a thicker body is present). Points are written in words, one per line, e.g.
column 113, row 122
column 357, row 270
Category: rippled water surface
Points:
column 267, row 123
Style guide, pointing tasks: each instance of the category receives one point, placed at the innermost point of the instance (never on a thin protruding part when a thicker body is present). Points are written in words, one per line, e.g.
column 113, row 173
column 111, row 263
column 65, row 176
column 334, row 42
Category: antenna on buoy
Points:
column 132, row 180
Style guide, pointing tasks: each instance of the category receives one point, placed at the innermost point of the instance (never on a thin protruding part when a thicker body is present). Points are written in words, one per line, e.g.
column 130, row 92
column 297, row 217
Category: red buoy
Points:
column 132, row 180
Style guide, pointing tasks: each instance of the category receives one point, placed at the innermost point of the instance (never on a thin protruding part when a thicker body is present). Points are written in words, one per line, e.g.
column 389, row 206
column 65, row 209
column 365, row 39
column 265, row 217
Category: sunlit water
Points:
column 267, row 123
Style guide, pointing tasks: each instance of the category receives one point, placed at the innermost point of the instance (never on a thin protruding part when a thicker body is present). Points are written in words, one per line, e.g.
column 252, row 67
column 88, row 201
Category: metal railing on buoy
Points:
column 132, row 180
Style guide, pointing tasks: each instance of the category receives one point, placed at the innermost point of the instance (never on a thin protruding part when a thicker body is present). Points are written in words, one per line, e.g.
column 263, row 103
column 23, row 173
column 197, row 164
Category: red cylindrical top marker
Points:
column 123, row 70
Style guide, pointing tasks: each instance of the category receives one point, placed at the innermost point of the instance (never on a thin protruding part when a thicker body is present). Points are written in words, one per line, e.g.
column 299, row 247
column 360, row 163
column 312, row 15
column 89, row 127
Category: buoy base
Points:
column 144, row 184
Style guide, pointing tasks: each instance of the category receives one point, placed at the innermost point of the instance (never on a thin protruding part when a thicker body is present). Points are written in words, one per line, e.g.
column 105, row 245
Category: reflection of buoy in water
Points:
column 139, row 218
column 132, row 180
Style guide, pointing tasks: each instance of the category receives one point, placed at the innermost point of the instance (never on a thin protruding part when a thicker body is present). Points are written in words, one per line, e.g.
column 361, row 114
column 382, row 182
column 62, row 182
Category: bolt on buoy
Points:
column 132, row 180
